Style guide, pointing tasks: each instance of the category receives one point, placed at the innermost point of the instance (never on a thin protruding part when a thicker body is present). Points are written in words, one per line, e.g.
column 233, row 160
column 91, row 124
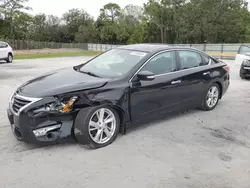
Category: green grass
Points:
column 54, row 55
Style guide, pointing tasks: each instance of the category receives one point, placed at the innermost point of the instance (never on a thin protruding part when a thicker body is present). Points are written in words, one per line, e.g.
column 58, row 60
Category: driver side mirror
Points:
column 145, row 75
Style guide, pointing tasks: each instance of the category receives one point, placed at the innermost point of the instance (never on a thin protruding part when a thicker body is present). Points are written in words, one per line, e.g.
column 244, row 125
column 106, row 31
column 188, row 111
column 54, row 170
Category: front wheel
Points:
column 211, row 98
column 97, row 127
column 9, row 58
column 243, row 77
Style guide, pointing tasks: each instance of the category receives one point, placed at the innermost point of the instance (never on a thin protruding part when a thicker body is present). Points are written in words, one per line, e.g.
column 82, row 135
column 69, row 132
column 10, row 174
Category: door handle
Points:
column 176, row 82
column 206, row 73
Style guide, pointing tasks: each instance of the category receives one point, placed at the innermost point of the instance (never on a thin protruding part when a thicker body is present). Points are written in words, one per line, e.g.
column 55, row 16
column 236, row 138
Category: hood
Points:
column 59, row 82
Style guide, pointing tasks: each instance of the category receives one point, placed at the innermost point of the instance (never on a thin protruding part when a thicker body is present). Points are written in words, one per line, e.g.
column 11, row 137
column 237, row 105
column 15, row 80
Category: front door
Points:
column 160, row 94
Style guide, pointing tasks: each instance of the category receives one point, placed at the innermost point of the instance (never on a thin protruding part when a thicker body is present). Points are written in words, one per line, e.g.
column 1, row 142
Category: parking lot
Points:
column 191, row 149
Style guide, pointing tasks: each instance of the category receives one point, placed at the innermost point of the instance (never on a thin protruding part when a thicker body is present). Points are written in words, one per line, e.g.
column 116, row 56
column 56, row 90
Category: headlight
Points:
column 246, row 63
column 62, row 106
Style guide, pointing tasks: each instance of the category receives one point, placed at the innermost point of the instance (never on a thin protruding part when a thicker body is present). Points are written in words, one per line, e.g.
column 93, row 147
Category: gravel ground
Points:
column 192, row 149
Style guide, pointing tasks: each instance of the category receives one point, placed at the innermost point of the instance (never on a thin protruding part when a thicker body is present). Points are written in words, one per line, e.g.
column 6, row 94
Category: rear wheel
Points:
column 97, row 127
column 211, row 98
column 9, row 58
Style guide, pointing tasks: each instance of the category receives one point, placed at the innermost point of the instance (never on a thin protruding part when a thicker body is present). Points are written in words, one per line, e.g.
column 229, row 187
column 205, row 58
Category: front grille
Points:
column 18, row 103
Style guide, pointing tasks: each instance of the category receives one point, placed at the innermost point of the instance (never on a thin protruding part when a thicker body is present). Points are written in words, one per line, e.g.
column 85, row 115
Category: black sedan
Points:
column 94, row 101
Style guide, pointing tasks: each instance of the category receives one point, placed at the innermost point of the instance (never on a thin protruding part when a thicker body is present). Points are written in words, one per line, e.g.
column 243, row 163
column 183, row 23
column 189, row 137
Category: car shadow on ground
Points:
column 147, row 122
column 22, row 147
column 3, row 62
column 144, row 124
column 151, row 121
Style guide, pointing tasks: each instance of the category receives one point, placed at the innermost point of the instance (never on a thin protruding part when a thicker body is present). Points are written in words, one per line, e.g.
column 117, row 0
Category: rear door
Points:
column 195, row 71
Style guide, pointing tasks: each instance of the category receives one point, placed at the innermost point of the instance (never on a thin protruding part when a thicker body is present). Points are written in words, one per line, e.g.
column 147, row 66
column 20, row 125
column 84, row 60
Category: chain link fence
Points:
column 223, row 51
column 33, row 45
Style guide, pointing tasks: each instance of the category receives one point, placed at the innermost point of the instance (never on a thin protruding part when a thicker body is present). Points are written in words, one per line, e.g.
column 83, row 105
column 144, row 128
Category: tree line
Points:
column 157, row 21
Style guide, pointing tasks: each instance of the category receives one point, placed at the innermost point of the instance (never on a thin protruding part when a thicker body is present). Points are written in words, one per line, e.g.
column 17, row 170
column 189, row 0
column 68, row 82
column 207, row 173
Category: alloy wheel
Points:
column 10, row 59
column 212, row 96
column 102, row 125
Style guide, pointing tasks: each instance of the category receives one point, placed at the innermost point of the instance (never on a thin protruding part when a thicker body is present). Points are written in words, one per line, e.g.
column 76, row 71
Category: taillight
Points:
column 227, row 68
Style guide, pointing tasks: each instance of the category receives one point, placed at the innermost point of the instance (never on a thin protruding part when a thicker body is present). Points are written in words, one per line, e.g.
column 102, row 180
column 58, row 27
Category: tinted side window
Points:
column 162, row 63
column 244, row 49
column 189, row 59
column 213, row 61
column 206, row 60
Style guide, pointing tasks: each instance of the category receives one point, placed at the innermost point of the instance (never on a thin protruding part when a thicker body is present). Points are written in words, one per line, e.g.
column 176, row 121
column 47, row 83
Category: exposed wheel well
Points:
column 220, row 85
column 10, row 54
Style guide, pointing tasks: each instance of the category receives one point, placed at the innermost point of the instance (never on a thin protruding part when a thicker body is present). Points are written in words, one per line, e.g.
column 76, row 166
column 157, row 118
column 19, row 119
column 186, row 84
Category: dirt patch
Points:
column 225, row 157
column 226, row 134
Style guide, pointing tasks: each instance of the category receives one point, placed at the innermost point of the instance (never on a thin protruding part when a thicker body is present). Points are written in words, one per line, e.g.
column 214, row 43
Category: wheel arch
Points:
column 84, row 113
column 118, row 109
column 220, row 86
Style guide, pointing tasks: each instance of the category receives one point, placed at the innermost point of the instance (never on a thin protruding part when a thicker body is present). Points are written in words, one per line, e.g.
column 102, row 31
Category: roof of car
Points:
column 151, row 47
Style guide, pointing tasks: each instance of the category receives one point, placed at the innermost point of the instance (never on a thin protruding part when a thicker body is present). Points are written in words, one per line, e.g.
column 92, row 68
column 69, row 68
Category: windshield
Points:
column 114, row 63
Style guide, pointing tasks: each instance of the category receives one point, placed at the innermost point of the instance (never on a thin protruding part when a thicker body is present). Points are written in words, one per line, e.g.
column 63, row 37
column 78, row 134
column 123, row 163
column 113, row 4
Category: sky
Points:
column 58, row 7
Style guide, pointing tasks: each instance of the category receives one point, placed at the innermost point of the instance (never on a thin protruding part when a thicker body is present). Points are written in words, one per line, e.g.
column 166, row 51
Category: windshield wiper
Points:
column 90, row 73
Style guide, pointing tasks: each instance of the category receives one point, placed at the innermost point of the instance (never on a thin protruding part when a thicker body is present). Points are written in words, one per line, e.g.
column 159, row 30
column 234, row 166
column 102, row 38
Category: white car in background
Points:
column 6, row 52
column 242, row 59
column 242, row 54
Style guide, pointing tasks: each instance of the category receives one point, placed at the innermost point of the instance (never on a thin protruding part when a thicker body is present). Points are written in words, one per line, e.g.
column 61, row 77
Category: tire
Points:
column 9, row 58
column 205, row 104
column 88, row 137
column 242, row 77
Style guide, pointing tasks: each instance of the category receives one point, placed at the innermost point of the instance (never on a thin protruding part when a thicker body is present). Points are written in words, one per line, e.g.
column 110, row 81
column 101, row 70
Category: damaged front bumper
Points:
column 40, row 128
